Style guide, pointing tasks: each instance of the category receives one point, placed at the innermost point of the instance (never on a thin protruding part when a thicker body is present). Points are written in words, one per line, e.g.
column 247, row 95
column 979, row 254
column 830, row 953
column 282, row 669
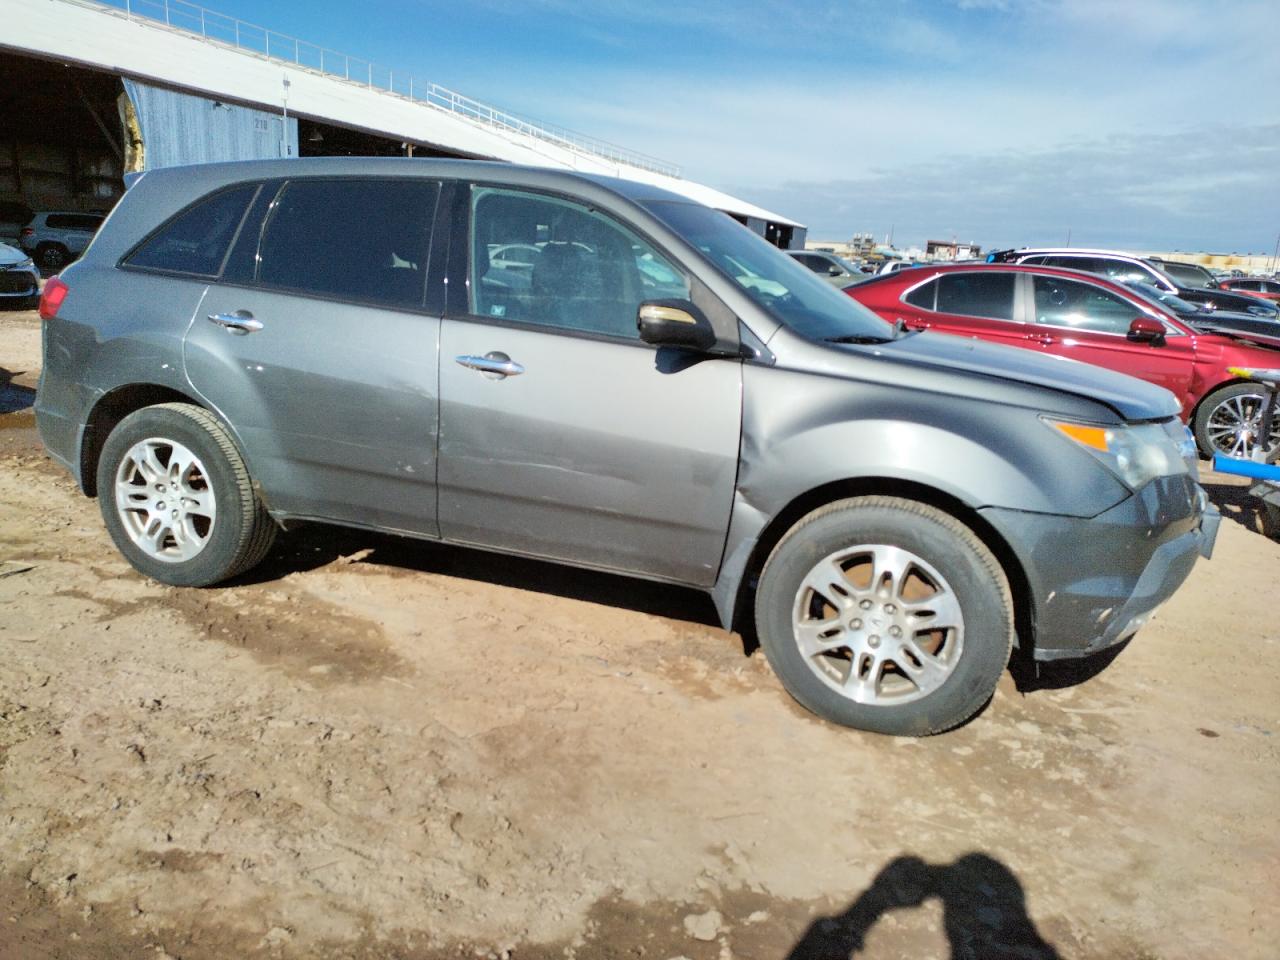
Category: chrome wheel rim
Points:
column 164, row 500
column 878, row 624
column 1234, row 426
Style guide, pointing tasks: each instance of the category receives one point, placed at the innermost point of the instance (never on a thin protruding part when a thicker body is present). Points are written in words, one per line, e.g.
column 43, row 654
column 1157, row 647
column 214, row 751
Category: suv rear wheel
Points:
column 887, row 615
column 177, row 499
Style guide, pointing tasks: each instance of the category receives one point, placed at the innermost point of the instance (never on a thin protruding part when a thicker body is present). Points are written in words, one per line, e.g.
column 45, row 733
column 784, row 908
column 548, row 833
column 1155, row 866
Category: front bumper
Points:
column 19, row 284
column 1094, row 582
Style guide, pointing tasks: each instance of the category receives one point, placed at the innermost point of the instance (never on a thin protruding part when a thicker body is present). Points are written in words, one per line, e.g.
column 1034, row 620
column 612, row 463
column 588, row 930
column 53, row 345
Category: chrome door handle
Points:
column 494, row 364
column 240, row 322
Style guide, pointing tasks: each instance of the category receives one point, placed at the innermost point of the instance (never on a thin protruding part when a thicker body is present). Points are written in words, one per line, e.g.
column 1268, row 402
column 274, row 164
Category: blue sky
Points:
column 1149, row 124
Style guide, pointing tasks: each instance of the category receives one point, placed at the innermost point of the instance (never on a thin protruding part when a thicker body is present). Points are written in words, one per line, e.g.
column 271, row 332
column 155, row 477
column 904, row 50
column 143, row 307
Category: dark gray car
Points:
column 661, row 394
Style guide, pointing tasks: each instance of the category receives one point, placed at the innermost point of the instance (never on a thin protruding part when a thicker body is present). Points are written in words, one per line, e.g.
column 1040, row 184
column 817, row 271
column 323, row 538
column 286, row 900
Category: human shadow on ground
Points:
column 984, row 911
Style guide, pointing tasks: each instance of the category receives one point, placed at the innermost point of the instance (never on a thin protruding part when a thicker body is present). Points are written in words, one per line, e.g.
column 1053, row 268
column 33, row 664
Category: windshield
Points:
column 1187, row 274
column 790, row 292
column 1176, row 304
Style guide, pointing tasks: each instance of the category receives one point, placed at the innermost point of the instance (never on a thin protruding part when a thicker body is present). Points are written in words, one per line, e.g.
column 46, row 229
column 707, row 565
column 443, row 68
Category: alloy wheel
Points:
column 878, row 624
column 164, row 500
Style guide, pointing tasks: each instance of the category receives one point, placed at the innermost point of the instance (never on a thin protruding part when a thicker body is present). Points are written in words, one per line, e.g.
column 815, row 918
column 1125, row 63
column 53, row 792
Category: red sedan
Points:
column 1087, row 317
column 1254, row 287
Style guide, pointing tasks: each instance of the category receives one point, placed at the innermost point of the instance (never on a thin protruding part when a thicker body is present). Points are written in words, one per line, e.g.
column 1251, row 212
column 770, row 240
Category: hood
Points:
column 1132, row 398
column 11, row 255
column 1226, row 300
column 1255, row 334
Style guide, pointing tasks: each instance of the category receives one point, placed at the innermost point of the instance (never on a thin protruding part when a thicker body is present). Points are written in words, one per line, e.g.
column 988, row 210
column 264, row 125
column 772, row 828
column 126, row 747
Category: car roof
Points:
column 1084, row 251
column 517, row 174
column 915, row 275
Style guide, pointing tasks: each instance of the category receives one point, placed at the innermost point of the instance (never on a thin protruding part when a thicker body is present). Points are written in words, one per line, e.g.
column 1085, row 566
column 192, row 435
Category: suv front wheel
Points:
column 177, row 499
column 887, row 615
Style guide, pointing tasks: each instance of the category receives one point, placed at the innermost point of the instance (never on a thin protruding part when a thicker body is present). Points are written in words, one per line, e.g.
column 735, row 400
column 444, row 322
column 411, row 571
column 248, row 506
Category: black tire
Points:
column 1270, row 520
column 241, row 532
column 1215, row 400
column 969, row 569
column 52, row 257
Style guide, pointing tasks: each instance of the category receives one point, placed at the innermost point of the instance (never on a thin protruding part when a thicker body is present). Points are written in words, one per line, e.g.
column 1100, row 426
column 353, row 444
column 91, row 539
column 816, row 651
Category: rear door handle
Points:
column 239, row 322
column 494, row 364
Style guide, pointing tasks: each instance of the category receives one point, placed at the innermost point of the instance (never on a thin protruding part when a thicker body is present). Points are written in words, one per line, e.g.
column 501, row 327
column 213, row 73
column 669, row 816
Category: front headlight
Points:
column 1137, row 453
column 27, row 264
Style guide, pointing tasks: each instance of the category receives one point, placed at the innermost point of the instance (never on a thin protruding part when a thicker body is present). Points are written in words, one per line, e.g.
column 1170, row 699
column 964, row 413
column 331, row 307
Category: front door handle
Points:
column 1044, row 338
column 495, row 364
column 239, row 322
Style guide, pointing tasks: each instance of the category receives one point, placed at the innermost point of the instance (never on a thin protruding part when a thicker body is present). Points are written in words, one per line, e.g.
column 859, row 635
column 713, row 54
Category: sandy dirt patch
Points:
column 372, row 747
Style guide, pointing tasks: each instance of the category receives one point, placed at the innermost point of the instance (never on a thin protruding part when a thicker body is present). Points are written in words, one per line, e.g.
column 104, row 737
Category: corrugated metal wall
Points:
column 179, row 128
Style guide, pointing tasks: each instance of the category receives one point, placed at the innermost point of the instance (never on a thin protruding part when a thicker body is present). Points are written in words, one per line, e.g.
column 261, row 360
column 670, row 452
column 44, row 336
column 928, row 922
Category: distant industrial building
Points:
column 942, row 250
column 90, row 91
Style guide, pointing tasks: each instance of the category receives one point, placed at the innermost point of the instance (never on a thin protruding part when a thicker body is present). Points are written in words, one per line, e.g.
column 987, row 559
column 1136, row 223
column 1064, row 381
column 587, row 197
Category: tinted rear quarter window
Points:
column 351, row 239
column 922, row 296
column 196, row 240
column 977, row 295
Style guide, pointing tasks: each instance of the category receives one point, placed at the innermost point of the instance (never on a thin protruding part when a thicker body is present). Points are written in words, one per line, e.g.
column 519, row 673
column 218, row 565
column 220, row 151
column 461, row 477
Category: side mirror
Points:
column 674, row 323
column 1146, row 330
column 834, row 271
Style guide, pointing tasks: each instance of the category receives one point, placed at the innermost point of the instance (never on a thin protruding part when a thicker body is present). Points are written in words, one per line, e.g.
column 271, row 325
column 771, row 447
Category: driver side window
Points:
column 544, row 260
column 1081, row 306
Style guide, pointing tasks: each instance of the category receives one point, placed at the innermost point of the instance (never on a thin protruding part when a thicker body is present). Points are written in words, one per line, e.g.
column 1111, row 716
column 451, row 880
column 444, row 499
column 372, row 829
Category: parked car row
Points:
column 1106, row 309
column 51, row 238
column 666, row 396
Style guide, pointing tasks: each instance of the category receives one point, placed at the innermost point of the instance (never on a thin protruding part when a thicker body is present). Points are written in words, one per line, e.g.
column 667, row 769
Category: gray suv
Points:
column 660, row 394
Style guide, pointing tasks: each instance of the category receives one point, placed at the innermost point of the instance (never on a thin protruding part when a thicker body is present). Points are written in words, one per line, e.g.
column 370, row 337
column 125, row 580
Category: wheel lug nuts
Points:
column 895, row 632
column 873, row 641
column 855, row 623
column 890, row 608
column 865, row 604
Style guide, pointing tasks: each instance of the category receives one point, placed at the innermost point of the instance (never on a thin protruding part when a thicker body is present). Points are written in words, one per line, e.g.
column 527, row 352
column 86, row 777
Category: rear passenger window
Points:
column 922, row 296
column 352, row 239
column 977, row 295
column 588, row 272
column 196, row 240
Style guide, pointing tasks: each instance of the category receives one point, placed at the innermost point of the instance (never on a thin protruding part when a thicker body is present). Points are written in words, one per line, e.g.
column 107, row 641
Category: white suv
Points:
column 55, row 238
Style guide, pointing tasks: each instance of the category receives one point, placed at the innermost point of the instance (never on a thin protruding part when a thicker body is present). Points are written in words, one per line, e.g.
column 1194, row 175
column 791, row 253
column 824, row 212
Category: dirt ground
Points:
column 378, row 748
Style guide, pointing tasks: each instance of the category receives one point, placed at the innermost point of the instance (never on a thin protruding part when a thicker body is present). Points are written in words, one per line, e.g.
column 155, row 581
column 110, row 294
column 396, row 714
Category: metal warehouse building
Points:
column 90, row 91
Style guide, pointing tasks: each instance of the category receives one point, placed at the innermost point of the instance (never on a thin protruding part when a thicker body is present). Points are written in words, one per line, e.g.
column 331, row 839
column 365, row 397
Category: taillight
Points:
column 28, row 231
column 55, row 291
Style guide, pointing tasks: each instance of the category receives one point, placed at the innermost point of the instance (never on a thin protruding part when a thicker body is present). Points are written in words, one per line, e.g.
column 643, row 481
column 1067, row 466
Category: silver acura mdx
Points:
column 646, row 388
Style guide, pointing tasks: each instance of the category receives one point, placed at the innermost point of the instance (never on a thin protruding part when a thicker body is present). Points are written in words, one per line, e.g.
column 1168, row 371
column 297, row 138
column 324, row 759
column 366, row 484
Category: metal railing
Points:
column 221, row 28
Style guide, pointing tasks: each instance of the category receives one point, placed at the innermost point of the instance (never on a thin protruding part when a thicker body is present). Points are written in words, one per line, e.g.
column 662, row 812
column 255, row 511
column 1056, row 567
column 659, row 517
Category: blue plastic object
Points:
column 1246, row 468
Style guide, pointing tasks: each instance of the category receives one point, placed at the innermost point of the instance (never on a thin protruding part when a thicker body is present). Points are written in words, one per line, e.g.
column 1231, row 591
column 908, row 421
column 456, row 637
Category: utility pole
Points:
column 1275, row 258
column 1068, row 236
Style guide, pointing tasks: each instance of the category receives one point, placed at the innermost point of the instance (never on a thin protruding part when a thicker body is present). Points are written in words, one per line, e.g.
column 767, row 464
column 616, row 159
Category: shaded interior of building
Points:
column 68, row 134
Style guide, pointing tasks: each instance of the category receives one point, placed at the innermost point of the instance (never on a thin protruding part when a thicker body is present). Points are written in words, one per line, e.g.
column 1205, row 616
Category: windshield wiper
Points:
column 899, row 331
column 859, row 338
